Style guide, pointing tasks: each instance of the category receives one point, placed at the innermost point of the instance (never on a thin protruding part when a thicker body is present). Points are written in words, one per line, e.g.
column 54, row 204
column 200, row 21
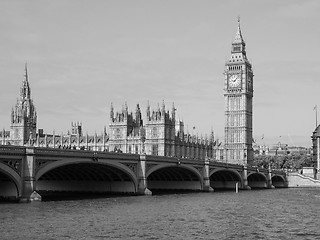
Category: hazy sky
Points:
column 83, row 55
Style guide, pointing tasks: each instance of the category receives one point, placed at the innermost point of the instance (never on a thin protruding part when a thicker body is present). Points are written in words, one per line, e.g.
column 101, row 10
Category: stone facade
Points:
column 238, row 93
column 125, row 131
column 23, row 118
column 161, row 135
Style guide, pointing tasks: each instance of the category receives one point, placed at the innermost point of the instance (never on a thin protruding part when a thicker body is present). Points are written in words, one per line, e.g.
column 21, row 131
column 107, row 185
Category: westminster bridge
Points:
column 28, row 172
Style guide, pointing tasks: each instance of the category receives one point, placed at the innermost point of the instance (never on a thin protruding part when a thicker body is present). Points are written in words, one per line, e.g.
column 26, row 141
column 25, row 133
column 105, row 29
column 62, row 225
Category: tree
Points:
column 289, row 161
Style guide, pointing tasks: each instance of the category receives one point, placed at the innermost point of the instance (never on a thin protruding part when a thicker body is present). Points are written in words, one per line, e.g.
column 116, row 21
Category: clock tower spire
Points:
column 238, row 94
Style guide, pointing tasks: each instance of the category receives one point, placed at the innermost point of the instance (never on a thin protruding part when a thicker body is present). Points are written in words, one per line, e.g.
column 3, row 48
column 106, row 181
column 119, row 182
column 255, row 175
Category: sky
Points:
column 84, row 55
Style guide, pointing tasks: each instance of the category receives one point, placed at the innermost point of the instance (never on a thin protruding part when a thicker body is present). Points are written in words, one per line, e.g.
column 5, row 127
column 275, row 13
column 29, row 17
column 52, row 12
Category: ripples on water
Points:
column 264, row 214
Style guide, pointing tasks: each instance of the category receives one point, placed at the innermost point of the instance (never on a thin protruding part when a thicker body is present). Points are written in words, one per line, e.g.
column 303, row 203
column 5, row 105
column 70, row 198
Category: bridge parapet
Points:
column 12, row 150
column 225, row 165
column 173, row 159
column 84, row 154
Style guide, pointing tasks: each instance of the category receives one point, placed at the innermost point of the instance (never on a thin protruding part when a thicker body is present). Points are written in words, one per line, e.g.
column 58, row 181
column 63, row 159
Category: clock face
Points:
column 234, row 80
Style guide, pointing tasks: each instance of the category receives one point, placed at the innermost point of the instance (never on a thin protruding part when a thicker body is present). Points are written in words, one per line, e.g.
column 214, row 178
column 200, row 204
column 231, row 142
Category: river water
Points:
column 257, row 214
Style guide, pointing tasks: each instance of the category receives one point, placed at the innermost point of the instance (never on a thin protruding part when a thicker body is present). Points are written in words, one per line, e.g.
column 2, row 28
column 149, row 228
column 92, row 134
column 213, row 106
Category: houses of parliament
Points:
column 160, row 133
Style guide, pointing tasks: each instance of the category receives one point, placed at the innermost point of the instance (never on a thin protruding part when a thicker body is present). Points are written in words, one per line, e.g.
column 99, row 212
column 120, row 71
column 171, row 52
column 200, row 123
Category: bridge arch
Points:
column 278, row 181
column 10, row 187
column 84, row 175
column 257, row 180
column 225, row 178
column 174, row 177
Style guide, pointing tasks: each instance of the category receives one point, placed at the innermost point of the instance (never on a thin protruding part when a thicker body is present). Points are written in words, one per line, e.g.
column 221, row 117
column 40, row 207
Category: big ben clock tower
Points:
column 238, row 94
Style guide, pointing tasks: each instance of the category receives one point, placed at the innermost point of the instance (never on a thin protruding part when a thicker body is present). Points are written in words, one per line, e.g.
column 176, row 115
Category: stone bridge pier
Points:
column 142, row 179
column 28, row 181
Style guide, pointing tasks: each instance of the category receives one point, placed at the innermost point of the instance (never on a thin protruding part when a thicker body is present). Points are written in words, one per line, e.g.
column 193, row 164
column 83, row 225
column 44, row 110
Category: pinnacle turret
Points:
column 148, row 111
column 111, row 113
column 138, row 115
column 173, row 111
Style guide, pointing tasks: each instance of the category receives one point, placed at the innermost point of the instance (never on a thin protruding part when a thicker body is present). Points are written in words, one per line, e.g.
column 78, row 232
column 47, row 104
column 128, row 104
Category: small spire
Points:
column 125, row 111
column 26, row 71
column 238, row 38
column 148, row 110
column 163, row 108
column 111, row 112
column 25, row 92
column 148, row 106
column 138, row 112
column 173, row 111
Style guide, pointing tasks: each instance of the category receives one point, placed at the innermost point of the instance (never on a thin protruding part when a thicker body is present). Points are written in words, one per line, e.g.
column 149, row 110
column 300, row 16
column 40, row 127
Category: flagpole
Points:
column 316, row 108
column 316, row 116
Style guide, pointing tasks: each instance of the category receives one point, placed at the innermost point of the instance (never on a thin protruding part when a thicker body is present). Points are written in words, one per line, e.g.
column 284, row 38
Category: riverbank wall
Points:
column 296, row 179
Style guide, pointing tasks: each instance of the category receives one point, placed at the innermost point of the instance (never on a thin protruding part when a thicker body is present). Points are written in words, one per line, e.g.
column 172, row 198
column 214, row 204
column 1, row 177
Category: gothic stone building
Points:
column 161, row 134
column 23, row 128
column 23, row 118
column 238, row 93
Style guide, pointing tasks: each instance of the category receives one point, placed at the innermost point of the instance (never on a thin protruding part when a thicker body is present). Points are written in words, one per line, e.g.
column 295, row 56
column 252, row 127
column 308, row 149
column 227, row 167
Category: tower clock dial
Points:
column 234, row 80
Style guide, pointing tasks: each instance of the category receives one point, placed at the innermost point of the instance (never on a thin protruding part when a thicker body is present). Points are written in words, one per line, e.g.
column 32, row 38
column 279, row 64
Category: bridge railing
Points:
column 76, row 153
column 58, row 151
column 9, row 149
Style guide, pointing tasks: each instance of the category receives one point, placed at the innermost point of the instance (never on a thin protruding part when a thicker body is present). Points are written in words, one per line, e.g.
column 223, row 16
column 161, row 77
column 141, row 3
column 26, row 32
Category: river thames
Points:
column 258, row 214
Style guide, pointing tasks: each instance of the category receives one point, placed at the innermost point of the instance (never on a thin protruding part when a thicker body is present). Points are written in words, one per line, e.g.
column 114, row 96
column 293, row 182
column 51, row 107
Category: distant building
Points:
column 280, row 149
